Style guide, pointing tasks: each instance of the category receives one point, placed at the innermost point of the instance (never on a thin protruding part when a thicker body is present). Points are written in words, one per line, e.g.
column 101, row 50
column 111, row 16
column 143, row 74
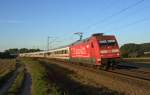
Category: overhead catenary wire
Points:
column 115, row 14
column 112, row 16
column 123, row 18
column 132, row 23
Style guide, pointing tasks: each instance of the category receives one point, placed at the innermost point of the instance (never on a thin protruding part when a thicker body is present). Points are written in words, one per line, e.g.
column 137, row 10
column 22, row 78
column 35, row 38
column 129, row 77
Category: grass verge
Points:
column 40, row 83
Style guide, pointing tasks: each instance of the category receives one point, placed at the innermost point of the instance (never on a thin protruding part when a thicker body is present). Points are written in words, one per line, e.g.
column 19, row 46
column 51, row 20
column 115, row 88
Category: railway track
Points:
column 120, row 82
column 133, row 73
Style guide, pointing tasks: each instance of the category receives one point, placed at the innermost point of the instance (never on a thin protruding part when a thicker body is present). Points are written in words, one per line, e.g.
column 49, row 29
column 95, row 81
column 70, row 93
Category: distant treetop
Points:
column 135, row 50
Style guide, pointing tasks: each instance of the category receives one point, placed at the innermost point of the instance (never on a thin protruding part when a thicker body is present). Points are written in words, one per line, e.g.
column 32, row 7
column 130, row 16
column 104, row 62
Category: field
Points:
column 11, row 77
column 50, row 77
column 7, row 67
column 138, row 60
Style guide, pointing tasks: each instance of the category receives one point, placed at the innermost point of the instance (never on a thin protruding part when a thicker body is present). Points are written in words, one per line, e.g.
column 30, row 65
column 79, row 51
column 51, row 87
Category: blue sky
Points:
column 27, row 23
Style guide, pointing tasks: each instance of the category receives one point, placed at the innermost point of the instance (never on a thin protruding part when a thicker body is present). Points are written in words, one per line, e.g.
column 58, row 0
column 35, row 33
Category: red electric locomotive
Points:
column 100, row 50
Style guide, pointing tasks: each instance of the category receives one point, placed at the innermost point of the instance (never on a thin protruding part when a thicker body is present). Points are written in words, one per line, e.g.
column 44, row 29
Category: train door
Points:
column 92, row 49
column 93, row 53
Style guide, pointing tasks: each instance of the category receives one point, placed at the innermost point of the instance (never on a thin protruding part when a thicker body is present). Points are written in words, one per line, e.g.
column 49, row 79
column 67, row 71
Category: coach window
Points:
column 66, row 51
column 59, row 52
column 49, row 53
column 55, row 52
column 63, row 51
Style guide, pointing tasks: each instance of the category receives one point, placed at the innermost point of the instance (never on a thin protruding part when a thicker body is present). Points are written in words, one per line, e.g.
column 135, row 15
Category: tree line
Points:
column 135, row 50
column 13, row 53
column 127, row 50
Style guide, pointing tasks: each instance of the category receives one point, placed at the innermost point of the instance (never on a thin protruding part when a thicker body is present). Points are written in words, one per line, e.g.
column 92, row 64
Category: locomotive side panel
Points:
column 94, row 51
column 85, row 52
column 80, row 51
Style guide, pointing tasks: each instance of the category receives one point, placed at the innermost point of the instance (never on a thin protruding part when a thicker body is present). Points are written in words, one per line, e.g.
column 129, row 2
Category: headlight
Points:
column 115, row 50
column 99, row 59
column 118, row 54
column 104, row 51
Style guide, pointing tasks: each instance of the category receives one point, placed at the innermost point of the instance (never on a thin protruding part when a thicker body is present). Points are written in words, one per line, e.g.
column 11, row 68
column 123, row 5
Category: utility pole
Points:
column 80, row 35
column 51, row 41
column 48, row 43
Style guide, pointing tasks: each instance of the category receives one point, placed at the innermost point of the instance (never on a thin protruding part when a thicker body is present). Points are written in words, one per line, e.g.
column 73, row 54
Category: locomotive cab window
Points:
column 111, row 42
column 103, row 43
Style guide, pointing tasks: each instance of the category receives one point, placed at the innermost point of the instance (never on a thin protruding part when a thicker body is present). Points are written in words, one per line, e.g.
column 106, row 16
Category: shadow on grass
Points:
column 67, row 86
column 126, row 67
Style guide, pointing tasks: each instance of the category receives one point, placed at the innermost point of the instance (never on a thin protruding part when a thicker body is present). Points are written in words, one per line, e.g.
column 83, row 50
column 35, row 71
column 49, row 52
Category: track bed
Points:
column 120, row 83
column 72, row 83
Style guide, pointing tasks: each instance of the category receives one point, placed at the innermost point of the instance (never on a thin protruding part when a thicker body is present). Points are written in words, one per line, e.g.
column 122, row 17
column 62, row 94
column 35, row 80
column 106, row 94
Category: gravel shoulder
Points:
column 70, row 82
column 123, row 85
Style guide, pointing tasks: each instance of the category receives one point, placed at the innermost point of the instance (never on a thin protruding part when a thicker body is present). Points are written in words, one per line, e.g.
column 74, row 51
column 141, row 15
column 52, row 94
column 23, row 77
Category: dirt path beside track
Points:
column 26, row 89
column 8, row 83
column 100, row 80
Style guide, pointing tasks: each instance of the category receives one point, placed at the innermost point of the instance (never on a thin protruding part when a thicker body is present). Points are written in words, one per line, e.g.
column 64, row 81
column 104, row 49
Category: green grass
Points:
column 18, row 83
column 40, row 83
column 137, row 59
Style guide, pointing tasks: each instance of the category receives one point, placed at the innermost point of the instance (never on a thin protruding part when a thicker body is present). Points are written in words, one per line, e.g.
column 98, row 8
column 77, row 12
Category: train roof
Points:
column 87, row 39
column 75, row 43
column 34, row 52
column 60, row 48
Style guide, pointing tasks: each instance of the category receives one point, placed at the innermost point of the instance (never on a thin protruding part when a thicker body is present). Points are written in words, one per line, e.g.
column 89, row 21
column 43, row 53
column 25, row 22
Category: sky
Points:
column 28, row 23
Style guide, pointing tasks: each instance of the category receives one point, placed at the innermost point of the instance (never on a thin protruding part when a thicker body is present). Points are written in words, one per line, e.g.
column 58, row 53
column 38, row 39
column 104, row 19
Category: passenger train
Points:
column 97, row 50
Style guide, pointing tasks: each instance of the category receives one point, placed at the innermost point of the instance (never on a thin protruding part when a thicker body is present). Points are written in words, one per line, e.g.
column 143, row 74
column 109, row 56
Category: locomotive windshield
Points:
column 104, row 43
